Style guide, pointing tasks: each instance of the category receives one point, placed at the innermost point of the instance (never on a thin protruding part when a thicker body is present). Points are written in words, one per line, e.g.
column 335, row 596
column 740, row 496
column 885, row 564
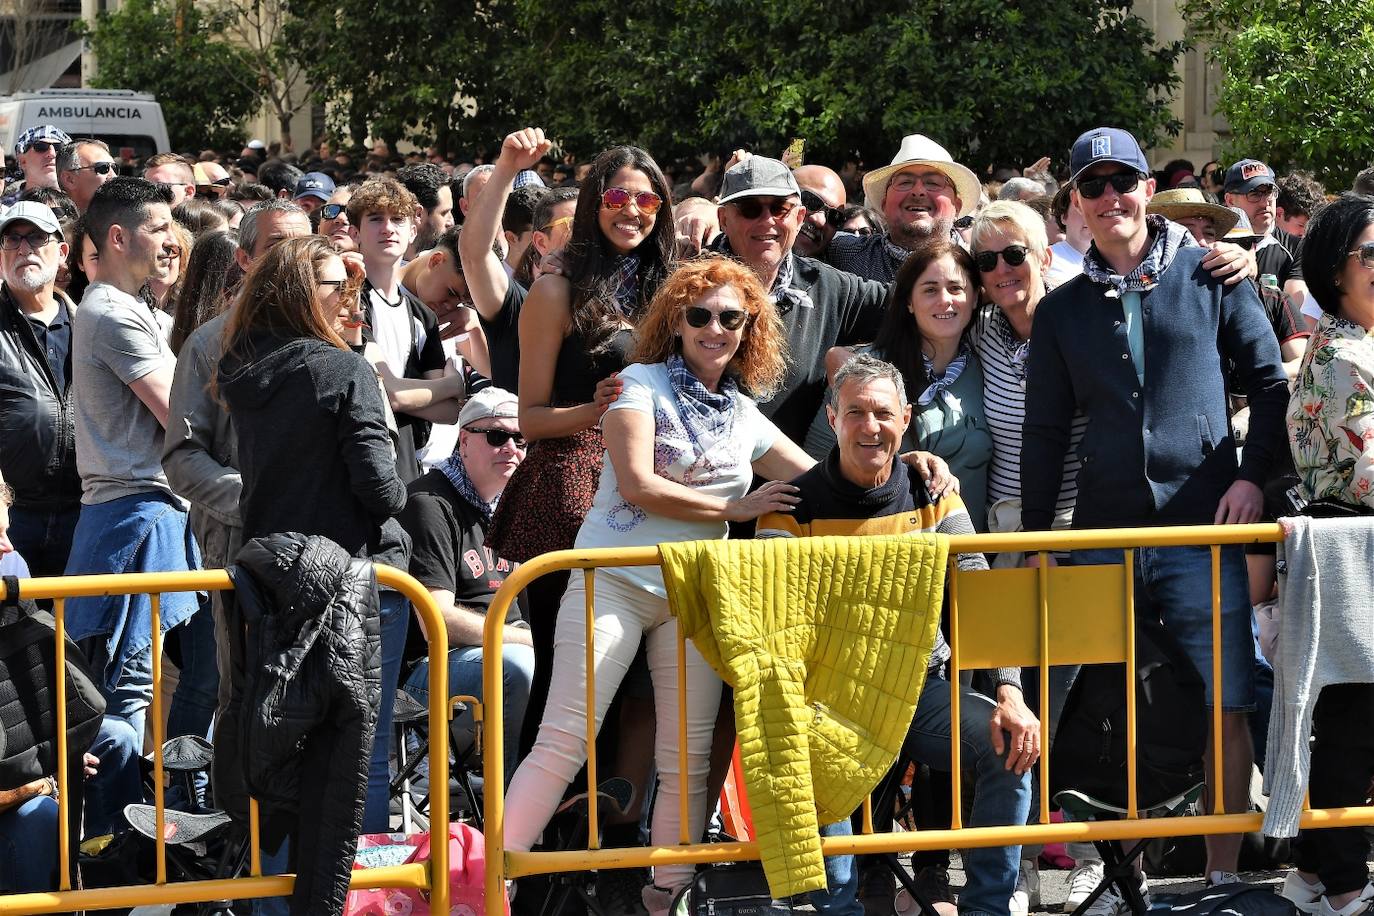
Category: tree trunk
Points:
column 284, row 123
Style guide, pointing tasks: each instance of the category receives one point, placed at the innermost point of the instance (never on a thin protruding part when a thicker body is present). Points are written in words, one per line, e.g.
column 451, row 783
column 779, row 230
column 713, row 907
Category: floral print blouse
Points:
column 1331, row 414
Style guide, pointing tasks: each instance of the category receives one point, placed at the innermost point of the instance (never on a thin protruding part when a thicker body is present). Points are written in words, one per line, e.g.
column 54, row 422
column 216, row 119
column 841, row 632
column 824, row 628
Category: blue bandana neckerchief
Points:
column 708, row 416
column 452, row 468
column 1018, row 350
column 939, row 385
column 1166, row 238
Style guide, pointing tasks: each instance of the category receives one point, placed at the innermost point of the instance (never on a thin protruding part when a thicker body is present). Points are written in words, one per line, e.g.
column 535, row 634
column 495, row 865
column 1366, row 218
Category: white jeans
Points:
column 624, row 613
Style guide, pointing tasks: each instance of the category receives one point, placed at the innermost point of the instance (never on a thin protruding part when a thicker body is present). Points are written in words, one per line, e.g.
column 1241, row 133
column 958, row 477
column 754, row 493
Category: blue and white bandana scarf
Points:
column 708, row 415
column 783, row 295
column 940, row 384
column 452, row 468
column 627, row 284
column 1166, row 239
column 1018, row 350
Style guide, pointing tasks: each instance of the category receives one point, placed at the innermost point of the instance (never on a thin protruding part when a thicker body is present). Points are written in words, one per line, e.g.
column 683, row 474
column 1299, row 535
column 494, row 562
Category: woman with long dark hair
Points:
column 209, row 272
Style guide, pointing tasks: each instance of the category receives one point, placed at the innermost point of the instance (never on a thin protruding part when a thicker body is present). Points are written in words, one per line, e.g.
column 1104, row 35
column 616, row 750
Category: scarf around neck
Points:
column 1166, row 238
column 708, row 415
column 452, row 468
column 939, row 385
column 783, row 295
column 627, row 284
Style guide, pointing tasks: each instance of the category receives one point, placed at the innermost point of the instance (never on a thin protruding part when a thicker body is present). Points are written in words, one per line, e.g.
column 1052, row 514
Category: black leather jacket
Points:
column 37, row 429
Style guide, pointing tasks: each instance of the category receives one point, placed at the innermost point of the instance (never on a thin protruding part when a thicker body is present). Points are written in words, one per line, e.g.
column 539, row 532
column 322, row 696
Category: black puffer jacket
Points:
column 304, row 704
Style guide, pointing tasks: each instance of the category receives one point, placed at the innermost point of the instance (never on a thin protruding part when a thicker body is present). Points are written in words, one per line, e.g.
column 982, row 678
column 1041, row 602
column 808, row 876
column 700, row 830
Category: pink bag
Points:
column 467, row 862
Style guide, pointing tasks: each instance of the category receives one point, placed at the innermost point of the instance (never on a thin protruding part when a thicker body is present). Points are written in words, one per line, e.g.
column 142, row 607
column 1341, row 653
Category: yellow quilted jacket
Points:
column 826, row 642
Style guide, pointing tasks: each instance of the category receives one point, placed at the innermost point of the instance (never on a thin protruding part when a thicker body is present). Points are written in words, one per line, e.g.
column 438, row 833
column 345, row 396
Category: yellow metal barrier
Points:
column 431, row 876
column 1054, row 615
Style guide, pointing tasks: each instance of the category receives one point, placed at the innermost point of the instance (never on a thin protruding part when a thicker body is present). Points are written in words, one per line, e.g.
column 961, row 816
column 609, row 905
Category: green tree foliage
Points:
column 992, row 81
column 1297, row 84
column 173, row 51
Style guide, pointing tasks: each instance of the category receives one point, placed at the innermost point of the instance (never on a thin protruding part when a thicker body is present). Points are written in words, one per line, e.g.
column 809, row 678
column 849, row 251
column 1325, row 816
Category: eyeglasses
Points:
column 814, row 204
column 12, row 241
column 100, row 168
column 753, row 207
column 558, row 222
column 333, row 211
column 1014, row 255
column 43, row 146
column 1365, row 253
column 1262, row 193
column 337, row 284
column 730, row 319
column 499, row 437
column 618, row 198
column 1245, row 244
column 1121, row 182
column 931, row 181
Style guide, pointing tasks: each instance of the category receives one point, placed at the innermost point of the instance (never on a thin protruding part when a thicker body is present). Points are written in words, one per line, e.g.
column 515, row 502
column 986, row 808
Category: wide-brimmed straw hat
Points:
column 1181, row 203
column 921, row 150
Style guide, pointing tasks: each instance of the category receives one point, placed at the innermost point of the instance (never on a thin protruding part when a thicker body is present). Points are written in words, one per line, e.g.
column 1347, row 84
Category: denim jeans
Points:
column 132, row 692
column 395, row 613
column 193, row 704
column 465, row 679
column 117, row 781
column 28, row 847
column 44, row 537
column 841, row 894
column 1000, row 798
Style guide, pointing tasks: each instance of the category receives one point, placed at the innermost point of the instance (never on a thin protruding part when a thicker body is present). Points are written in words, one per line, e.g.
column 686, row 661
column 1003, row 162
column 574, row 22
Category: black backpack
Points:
column 1089, row 752
column 1225, row 900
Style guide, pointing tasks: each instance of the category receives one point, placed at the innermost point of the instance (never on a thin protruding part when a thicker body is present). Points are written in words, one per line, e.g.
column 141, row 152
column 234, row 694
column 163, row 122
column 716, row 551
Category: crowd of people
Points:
column 453, row 368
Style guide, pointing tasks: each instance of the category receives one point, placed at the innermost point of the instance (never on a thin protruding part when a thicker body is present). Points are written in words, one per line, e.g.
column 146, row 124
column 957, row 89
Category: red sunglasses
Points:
column 617, row 198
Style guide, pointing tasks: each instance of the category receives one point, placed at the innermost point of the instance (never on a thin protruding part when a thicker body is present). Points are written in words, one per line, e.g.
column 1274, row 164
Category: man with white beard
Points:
column 37, row 447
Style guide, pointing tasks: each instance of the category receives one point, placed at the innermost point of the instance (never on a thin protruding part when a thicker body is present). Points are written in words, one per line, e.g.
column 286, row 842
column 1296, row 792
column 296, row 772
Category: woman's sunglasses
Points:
column 618, row 198
column 1121, row 182
column 1365, row 253
column 1014, row 255
column 730, row 319
column 499, row 437
column 332, row 211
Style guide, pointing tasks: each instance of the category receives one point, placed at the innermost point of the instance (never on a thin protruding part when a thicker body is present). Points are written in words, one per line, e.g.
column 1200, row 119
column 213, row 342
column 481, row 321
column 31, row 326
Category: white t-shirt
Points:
column 1067, row 263
column 393, row 327
column 721, row 467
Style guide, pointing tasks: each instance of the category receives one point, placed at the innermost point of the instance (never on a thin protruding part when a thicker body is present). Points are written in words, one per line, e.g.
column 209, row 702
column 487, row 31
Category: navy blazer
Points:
column 1161, row 453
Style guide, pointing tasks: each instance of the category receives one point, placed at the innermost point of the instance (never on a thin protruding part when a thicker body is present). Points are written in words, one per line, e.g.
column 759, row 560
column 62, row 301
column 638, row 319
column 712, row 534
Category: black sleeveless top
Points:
column 577, row 372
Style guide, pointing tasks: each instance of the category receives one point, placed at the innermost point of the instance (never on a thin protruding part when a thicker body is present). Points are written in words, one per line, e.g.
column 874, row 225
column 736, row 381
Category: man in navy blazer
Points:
column 1138, row 343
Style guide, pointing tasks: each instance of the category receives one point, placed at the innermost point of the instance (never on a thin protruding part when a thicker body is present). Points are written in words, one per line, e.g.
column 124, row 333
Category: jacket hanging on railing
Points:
column 826, row 642
column 306, row 689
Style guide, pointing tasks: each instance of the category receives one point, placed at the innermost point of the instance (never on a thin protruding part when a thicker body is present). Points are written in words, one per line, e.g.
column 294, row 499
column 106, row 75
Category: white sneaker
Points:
column 1356, row 907
column 1027, row 894
column 1109, row 903
column 1085, row 876
column 1306, row 897
column 1216, row 878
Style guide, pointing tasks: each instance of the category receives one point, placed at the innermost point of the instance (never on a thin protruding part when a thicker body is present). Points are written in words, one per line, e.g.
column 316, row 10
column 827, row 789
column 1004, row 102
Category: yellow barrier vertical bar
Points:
column 440, row 713
column 254, row 842
column 158, row 800
column 1131, row 805
column 63, row 831
column 683, row 796
column 493, row 765
column 957, row 816
column 867, row 815
column 1043, row 580
column 593, row 828
column 1218, row 790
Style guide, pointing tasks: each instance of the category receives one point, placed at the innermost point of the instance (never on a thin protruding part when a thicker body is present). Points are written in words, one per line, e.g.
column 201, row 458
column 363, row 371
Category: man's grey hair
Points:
column 248, row 226
column 479, row 170
column 1018, row 188
column 66, row 156
column 863, row 369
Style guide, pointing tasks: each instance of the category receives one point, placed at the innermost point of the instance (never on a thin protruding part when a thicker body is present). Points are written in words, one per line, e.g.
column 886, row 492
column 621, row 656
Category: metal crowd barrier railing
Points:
column 1053, row 615
column 431, row 876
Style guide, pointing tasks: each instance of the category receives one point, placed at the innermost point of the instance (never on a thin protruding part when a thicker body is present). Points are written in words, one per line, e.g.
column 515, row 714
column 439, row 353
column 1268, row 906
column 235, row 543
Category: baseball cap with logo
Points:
column 1106, row 144
column 314, row 184
column 42, row 132
column 758, row 176
column 1247, row 175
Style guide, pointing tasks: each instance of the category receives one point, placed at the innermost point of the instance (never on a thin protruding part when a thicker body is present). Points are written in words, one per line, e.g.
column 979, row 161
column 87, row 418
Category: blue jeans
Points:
column 197, row 693
column 44, row 537
column 395, row 613
column 465, row 679
column 117, row 781
column 1000, row 798
column 1174, row 585
column 132, row 692
column 841, row 894
column 28, row 847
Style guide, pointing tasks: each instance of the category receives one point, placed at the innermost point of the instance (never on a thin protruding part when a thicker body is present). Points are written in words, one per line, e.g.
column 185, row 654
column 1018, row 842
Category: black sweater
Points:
column 313, row 446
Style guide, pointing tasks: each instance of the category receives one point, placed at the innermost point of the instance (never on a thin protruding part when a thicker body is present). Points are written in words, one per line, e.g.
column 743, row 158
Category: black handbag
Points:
column 28, row 695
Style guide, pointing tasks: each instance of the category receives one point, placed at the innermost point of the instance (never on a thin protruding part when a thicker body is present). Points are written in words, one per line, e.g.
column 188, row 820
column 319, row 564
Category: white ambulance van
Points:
column 129, row 122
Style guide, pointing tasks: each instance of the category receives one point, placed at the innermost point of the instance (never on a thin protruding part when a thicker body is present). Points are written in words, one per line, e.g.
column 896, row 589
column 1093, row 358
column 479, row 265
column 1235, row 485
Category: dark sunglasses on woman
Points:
column 1121, row 182
column 813, row 204
column 730, row 319
column 332, row 211
column 1365, row 253
column 1014, row 255
column 618, row 198
column 499, row 437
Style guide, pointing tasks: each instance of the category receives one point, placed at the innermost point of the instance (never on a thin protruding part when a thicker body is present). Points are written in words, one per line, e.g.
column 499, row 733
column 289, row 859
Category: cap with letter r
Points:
column 1106, row 144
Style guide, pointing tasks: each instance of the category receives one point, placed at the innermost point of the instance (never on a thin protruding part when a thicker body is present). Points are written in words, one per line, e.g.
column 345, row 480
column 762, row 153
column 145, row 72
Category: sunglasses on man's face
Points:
column 100, row 168
column 814, row 204
column 499, row 437
column 43, row 146
column 1014, row 255
column 1121, row 182
column 1365, row 253
column 332, row 211
column 730, row 319
column 754, row 207
column 619, row 198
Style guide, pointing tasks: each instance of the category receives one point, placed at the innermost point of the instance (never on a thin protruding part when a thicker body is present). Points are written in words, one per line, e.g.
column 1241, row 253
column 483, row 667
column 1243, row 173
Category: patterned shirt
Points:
column 1331, row 414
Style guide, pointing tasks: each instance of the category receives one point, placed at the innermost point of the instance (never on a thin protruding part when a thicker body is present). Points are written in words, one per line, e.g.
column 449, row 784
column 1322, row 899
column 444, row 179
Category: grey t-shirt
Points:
column 116, row 341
